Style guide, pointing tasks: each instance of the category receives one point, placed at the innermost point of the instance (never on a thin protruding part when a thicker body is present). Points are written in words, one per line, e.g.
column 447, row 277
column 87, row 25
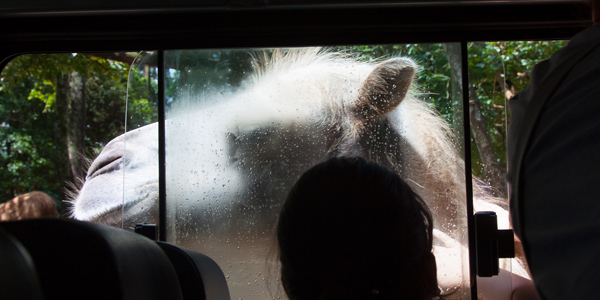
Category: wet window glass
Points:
column 243, row 125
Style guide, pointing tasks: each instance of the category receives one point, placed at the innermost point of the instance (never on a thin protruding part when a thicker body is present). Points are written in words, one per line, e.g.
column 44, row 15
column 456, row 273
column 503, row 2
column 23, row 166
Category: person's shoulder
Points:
column 589, row 35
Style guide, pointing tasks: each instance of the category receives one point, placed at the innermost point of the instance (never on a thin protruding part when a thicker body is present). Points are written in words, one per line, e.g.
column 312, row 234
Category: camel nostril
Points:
column 105, row 165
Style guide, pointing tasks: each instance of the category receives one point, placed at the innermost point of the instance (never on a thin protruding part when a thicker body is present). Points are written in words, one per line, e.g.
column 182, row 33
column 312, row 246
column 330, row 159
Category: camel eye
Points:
column 233, row 144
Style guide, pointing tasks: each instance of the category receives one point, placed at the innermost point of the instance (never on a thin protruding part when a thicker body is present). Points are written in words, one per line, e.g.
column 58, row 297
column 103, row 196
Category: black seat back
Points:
column 199, row 276
column 80, row 260
column 18, row 278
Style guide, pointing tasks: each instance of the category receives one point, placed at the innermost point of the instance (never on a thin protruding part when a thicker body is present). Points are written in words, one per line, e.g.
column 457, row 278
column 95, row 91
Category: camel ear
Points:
column 386, row 86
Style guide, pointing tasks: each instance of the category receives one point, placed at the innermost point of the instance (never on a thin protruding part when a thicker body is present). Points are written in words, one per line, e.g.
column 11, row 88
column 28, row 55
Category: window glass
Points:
column 140, row 143
column 242, row 126
column 57, row 113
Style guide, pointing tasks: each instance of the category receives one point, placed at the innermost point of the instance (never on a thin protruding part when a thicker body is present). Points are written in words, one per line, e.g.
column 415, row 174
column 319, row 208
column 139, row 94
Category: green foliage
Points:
column 26, row 147
column 433, row 79
column 498, row 71
column 30, row 139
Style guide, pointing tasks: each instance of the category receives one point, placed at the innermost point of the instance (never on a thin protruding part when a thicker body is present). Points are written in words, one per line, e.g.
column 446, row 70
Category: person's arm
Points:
column 505, row 286
column 497, row 287
column 523, row 288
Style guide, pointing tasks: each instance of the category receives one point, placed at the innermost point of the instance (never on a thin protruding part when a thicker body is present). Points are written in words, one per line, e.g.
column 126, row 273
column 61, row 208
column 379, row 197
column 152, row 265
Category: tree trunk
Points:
column 61, row 128
column 492, row 170
column 453, row 55
column 76, row 125
column 491, row 166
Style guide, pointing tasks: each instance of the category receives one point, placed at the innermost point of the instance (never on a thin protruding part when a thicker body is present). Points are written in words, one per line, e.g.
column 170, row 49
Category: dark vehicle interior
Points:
column 66, row 259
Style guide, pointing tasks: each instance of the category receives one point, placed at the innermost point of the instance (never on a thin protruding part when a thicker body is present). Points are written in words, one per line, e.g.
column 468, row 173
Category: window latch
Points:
column 491, row 244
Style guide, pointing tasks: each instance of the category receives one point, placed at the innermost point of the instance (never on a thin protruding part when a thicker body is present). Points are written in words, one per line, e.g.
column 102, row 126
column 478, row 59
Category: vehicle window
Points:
column 242, row 125
column 498, row 71
column 58, row 111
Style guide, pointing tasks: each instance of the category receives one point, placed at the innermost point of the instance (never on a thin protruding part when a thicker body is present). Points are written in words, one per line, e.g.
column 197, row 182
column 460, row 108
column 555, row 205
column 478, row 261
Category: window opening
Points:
column 498, row 71
column 58, row 111
column 39, row 93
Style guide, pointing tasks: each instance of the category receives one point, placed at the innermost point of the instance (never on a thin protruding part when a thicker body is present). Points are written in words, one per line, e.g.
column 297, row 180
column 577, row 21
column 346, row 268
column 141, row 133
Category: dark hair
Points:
column 352, row 229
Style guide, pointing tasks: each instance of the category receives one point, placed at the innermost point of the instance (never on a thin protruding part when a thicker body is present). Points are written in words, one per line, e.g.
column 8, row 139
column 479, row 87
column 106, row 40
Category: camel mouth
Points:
column 128, row 215
column 112, row 217
column 122, row 218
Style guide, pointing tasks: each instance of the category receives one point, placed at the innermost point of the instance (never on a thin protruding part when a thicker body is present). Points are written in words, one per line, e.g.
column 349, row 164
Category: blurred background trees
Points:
column 58, row 110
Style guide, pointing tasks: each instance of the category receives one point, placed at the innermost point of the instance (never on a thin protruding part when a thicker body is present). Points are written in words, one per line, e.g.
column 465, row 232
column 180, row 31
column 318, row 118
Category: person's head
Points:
column 351, row 229
column 28, row 206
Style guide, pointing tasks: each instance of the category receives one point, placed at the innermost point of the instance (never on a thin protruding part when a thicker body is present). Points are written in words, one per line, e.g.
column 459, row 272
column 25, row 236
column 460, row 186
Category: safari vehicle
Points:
column 209, row 172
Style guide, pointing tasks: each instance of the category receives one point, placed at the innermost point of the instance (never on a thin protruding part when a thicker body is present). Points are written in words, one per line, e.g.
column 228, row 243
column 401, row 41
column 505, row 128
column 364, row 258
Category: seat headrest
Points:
column 18, row 278
column 199, row 276
column 81, row 260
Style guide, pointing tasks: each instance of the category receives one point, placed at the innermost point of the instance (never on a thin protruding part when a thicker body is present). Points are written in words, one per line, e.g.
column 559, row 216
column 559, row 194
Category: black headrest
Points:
column 199, row 276
column 80, row 260
column 18, row 279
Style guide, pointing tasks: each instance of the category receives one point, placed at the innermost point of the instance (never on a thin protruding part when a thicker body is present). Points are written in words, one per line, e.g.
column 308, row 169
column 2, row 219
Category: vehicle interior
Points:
column 186, row 142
